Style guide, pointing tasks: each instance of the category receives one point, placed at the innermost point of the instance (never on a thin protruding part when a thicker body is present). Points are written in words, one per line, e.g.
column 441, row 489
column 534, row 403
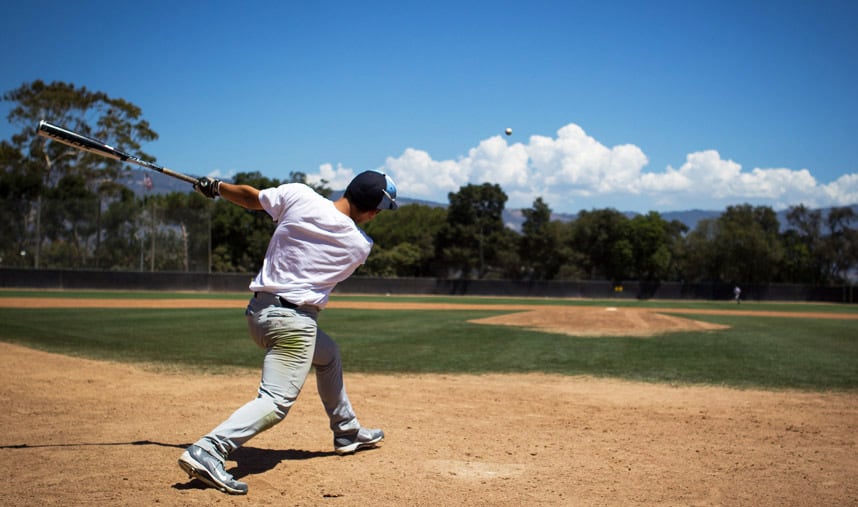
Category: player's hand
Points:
column 208, row 187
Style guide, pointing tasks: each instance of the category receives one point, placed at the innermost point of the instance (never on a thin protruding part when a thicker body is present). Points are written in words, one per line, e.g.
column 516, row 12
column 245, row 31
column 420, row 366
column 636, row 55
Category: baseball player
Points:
column 737, row 295
column 316, row 244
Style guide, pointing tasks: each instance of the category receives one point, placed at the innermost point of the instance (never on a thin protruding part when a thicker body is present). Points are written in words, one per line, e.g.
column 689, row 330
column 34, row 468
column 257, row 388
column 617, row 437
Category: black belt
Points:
column 286, row 304
column 283, row 302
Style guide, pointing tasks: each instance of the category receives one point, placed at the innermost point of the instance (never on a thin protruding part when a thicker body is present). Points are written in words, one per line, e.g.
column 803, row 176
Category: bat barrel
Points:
column 88, row 144
column 78, row 141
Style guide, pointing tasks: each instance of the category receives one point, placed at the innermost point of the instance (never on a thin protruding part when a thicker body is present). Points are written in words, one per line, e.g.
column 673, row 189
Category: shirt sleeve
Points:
column 277, row 200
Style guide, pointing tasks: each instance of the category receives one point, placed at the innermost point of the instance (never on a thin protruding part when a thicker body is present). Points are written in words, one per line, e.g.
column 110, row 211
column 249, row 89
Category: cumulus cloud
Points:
column 573, row 171
column 338, row 177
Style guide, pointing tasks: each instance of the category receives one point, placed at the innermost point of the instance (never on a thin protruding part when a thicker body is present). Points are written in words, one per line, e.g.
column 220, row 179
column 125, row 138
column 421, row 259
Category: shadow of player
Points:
column 251, row 460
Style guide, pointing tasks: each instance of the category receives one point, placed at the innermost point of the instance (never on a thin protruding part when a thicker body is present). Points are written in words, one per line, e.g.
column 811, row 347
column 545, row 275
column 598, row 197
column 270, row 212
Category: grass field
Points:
column 756, row 351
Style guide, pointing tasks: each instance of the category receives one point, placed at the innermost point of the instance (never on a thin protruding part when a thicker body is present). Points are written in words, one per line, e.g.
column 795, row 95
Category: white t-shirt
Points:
column 314, row 246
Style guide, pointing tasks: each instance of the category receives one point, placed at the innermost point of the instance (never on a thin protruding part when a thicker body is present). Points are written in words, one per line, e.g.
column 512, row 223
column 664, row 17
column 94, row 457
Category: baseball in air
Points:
column 508, row 131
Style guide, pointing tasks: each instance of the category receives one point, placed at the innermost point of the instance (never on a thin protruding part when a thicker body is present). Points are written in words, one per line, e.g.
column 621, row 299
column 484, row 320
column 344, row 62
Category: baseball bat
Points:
column 88, row 144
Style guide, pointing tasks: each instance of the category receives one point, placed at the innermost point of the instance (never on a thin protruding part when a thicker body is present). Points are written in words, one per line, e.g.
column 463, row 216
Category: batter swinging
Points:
column 316, row 244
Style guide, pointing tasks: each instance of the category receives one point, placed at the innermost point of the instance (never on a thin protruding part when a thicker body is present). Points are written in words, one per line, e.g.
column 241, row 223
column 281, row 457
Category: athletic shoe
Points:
column 360, row 439
column 198, row 463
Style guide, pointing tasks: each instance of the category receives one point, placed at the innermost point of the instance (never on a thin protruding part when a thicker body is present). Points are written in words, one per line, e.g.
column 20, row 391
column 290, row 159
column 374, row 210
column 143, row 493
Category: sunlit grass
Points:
column 754, row 351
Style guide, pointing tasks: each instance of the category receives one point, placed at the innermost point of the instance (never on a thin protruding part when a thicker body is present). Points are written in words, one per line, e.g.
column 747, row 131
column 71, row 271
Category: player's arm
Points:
column 242, row 195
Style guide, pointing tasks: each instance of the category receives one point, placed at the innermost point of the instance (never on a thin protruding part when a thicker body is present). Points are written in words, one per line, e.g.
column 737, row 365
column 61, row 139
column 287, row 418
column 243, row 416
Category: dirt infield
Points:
column 83, row 432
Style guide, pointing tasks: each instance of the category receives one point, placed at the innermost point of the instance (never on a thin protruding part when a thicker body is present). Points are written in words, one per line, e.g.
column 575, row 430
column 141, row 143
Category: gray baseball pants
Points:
column 293, row 343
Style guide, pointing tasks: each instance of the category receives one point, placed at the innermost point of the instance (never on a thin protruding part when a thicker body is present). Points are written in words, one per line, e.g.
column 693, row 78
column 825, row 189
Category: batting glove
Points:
column 208, row 187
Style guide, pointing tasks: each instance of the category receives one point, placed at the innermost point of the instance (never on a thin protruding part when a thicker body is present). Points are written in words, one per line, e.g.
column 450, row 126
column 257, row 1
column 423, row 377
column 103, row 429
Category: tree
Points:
column 123, row 233
column 702, row 261
column 19, row 185
column 93, row 114
column 466, row 243
column 404, row 241
column 803, row 246
column 603, row 239
column 749, row 238
column 839, row 245
column 740, row 246
column 69, row 218
column 540, row 243
column 654, row 246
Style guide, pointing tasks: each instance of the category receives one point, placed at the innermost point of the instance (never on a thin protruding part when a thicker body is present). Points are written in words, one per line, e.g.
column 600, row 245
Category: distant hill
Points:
column 513, row 218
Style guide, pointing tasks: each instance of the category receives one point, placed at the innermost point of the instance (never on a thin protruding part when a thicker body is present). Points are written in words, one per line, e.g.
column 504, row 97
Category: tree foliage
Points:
column 604, row 241
column 539, row 248
column 61, row 169
column 404, row 241
column 474, row 223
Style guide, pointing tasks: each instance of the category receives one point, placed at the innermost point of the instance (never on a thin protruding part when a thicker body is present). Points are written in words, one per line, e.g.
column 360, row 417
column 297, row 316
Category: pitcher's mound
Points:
column 598, row 321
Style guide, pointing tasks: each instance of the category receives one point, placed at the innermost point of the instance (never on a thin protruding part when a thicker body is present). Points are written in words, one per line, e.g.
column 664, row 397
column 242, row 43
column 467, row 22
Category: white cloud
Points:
column 337, row 178
column 842, row 191
column 574, row 171
column 221, row 175
column 423, row 177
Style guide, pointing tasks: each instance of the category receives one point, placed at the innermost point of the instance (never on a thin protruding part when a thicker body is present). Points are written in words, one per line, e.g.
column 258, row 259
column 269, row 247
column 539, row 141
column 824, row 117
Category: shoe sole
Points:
column 358, row 446
column 196, row 470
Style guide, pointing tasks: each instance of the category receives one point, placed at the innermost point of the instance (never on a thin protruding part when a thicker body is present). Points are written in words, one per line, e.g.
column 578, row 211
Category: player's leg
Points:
column 289, row 337
column 329, row 381
column 348, row 434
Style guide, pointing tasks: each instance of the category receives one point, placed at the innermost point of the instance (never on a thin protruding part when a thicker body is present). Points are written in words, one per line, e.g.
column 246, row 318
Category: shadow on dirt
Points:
column 92, row 444
column 251, row 460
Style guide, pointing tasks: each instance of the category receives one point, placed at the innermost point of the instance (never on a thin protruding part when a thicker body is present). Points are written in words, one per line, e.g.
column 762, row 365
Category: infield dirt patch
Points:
column 83, row 432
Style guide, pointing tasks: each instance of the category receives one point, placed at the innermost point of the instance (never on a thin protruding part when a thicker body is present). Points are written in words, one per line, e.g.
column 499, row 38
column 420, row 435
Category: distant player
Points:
column 737, row 295
column 316, row 244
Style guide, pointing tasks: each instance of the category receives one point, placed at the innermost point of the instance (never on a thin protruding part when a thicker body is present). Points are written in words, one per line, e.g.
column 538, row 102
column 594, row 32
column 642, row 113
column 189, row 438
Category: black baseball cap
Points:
column 372, row 190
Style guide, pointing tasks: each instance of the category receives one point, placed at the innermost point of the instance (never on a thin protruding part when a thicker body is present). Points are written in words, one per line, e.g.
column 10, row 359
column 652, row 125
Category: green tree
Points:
column 465, row 245
column 404, row 241
column 123, row 240
column 185, row 219
column 539, row 246
column 69, row 216
column 604, row 240
column 750, row 239
column 94, row 114
column 839, row 243
column 506, row 263
column 702, row 261
column 803, row 260
column 741, row 246
column 19, row 185
column 654, row 246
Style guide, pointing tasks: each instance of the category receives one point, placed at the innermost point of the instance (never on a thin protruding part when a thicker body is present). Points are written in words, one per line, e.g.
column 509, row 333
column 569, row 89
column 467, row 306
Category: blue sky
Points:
column 656, row 105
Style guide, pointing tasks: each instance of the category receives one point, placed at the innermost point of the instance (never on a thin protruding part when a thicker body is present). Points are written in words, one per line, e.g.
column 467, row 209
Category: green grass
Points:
column 198, row 337
column 756, row 351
